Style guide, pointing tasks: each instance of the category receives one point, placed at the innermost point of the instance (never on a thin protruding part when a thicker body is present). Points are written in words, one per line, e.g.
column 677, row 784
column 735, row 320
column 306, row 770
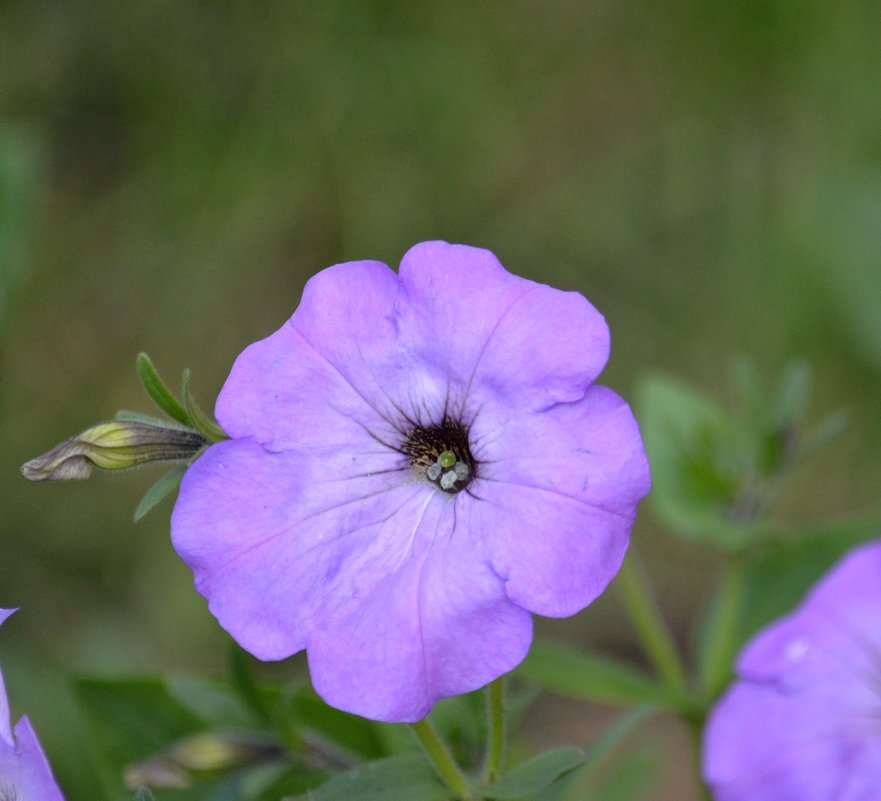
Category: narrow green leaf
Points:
column 614, row 735
column 159, row 391
column 628, row 780
column 128, row 718
column 400, row 778
column 345, row 734
column 581, row 675
column 164, row 486
column 203, row 422
column 826, row 431
column 535, row 775
column 245, row 685
column 143, row 794
column 790, row 402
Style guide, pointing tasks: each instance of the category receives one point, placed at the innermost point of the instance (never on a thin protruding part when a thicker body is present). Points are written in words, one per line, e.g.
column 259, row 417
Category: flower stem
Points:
column 650, row 626
column 496, row 741
column 441, row 759
column 721, row 642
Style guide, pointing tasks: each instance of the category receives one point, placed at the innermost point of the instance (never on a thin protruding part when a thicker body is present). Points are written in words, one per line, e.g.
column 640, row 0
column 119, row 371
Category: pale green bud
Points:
column 117, row 445
column 206, row 753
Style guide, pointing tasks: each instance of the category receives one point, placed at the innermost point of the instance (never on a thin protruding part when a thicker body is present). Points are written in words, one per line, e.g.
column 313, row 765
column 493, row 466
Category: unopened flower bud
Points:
column 117, row 445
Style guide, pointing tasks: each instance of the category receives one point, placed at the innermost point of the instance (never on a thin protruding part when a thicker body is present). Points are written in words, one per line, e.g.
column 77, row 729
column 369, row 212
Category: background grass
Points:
column 171, row 173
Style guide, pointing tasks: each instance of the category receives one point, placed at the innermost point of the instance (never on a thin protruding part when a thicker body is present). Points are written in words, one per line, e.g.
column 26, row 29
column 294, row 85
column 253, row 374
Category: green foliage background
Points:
column 171, row 173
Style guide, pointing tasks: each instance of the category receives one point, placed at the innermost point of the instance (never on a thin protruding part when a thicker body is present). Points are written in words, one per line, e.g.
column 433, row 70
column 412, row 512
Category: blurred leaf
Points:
column 823, row 433
column 158, row 390
column 606, row 744
column 162, row 488
column 129, row 720
column 789, row 405
column 245, row 684
column 400, row 778
column 565, row 670
column 349, row 734
column 535, row 775
column 143, row 794
column 164, row 730
column 462, row 723
column 612, row 737
column 696, row 472
column 214, row 702
column 628, row 779
column 778, row 578
column 201, row 421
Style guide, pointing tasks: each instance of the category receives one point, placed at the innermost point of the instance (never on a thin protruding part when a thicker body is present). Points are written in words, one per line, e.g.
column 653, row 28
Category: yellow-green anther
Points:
column 446, row 459
column 117, row 445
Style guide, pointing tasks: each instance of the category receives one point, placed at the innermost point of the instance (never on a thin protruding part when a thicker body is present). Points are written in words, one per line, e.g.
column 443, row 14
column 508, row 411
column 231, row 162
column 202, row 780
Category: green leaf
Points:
column 789, row 405
column 163, row 487
column 213, row 702
column 535, row 775
column 129, row 720
column 781, row 575
column 614, row 735
column 159, row 391
column 697, row 464
column 349, row 734
column 572, row 785
column 828, row 429
column 628, row 780
column 201, row 421
column 589, row 677
column 400, row 778
column 245, row 684
column 143, row 794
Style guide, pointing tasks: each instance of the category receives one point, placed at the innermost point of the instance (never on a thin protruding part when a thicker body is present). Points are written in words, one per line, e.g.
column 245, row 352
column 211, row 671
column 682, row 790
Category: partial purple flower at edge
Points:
column 25, row 774
column 417, row 462
column 803, row 722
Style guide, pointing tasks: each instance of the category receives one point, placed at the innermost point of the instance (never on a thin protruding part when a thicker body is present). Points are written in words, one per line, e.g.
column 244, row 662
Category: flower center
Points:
column 441, row 454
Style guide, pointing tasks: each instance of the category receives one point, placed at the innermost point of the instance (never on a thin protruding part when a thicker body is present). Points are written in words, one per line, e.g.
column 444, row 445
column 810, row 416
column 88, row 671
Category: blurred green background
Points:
column 171, row 173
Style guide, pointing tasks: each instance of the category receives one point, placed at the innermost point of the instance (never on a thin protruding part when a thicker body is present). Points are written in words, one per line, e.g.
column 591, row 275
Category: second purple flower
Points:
column 418, row 461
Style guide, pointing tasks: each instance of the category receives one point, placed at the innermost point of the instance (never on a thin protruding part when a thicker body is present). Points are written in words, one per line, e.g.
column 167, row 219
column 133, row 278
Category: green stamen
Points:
column 447, row 459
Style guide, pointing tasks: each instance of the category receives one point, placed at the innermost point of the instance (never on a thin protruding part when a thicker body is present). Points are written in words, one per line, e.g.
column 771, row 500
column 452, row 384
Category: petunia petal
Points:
column 559, row 492
column 24, row 771
column 282, row 529
column 796, row 756
column 440, row 626
column 503, row 340
column 329, row 349
column 810, row 683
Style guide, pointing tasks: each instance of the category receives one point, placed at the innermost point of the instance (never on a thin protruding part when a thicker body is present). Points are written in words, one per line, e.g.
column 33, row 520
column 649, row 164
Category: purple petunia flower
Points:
column 418, row 462
column 25, row 774
column 803, row 722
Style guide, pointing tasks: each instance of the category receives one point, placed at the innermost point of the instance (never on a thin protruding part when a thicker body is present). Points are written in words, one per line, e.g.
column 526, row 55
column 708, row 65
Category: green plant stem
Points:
column 723, row 636
column 442, row 760
column 650, row 626
column 496, row 732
